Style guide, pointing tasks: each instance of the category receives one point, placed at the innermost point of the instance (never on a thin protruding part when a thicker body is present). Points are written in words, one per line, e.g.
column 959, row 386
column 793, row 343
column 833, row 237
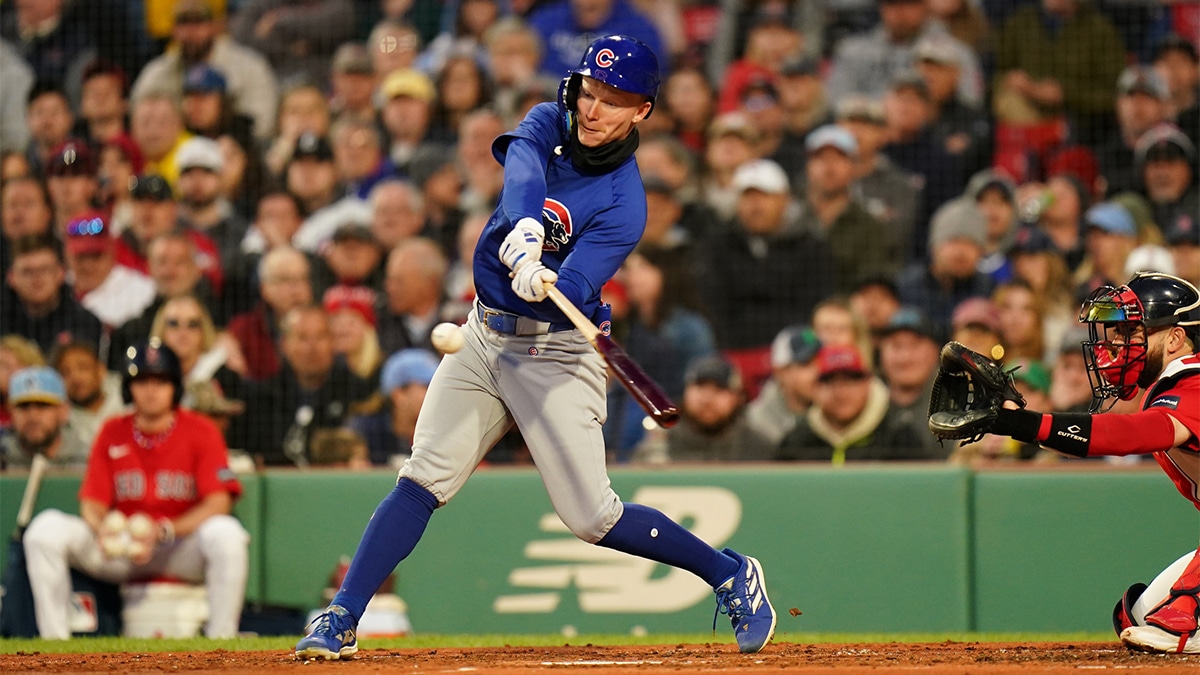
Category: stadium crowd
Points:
column 288, row 194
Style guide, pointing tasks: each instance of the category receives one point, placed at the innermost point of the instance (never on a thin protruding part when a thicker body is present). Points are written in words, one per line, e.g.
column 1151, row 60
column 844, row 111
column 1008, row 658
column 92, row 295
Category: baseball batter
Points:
column 169, row 464
column 1144, row 335
column 572, row 208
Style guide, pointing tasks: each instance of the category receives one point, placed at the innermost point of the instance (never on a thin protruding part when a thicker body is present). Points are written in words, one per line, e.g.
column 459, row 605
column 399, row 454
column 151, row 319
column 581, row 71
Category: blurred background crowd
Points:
column 288, row 193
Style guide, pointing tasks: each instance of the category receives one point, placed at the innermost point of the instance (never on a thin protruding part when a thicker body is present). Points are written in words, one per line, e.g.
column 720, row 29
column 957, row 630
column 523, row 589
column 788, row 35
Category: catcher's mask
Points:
column 1120, row 321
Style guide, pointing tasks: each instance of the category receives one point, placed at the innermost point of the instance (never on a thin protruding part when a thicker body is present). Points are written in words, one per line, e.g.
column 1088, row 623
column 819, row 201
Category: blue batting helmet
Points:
column 619, row 61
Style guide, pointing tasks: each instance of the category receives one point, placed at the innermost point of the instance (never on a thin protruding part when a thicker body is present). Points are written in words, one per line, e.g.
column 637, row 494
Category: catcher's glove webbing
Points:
column 968, row 393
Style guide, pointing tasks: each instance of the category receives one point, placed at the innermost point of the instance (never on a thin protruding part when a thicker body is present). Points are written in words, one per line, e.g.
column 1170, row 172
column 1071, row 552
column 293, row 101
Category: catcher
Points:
column 1143, row 335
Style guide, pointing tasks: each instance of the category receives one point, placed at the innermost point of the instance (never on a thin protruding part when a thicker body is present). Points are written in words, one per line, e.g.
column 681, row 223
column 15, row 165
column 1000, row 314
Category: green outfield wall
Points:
column 854, row 549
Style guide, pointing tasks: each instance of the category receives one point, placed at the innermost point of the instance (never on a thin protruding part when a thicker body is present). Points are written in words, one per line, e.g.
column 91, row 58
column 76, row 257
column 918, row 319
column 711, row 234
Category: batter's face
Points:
column 605, row 114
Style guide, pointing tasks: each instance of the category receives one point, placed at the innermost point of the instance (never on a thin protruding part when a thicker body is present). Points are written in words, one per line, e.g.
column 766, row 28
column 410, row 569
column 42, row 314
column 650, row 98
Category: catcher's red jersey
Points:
column 1178, row 390
column 164, row 481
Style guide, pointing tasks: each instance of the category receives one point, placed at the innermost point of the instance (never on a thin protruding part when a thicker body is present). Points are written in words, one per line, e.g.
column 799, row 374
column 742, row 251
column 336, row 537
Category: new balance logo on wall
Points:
column 606, row 581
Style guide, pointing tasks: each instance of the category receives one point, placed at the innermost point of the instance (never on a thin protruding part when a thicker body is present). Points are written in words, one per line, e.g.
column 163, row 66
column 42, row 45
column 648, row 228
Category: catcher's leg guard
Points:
column 1123, row 613
column 1180, row 612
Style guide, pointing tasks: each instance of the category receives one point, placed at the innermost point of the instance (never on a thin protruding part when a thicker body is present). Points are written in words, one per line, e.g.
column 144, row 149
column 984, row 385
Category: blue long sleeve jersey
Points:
column 592, row 222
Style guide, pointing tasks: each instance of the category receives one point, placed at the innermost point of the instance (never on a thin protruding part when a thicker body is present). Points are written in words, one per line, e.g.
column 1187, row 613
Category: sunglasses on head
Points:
column 193, row 324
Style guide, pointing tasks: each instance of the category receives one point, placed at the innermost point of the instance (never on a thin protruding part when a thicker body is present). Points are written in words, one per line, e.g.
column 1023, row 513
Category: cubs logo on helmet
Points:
column 605, row 58
column 556, row 218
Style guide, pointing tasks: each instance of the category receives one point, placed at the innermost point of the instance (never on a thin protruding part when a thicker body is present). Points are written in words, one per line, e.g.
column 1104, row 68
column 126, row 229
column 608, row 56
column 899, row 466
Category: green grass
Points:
column 91, row 645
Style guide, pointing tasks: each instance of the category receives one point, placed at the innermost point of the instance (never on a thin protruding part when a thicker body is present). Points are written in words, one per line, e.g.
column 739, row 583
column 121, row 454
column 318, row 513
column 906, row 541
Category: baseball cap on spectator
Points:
column 937, row 49
column 89, row 234
column 199, row 152
column 129, row 149
column 71, row 158
column 835, row 360
column 1112, row 218
column 763, row 175
column 733, row 124
column 958, row 219
column 1076, row 162
column 352, row 58
column 405, row 367
column 1031, row 239
column 713, row 370
column 1174, row 42
column 1182, row 229
column 990, row 179
column 204, row 79
column 1149, row 258
column 758, row 93
column 358, row 299
column 912, row 320
column 1073, row 339
column 1163, row 142
column 832, row 136
column 857, row 108
column 196, row 11
column 1032, row 373
column 311, row 146
column 800, row 66
column 101, row 66
column 657, row 185
column 36, row 384
column 354, row 230
column 794, row 344
column 911, row 80
column 408, row 82
column 979, row 312
column 1138, row 79
column 151, row 187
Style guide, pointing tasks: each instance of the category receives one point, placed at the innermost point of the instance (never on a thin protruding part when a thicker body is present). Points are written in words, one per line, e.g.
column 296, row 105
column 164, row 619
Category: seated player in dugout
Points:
column 571, row 210
column 1143, row 337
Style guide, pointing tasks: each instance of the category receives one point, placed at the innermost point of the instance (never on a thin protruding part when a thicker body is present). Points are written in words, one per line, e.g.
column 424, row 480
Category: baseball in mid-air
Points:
column 447, row 338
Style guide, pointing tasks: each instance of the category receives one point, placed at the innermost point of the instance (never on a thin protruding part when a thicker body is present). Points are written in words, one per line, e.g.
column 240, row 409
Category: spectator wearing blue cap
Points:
column 208, row 109
column 1110, row 236
column 788, row 394
column 37, row 399
column 909, row 349
column 862, row 247
column 403, row 381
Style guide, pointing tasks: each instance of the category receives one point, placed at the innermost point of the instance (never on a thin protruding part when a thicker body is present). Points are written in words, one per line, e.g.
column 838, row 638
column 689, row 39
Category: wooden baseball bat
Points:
column 37, row 470
column 645, row 391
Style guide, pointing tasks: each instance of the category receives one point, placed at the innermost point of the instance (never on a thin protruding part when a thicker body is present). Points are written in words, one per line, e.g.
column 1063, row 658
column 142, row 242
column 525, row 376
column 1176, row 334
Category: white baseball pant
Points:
column 216, row 554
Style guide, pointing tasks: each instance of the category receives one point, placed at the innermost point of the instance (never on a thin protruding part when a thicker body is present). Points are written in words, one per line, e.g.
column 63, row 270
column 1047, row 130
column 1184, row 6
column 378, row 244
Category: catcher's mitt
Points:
column 968, row 393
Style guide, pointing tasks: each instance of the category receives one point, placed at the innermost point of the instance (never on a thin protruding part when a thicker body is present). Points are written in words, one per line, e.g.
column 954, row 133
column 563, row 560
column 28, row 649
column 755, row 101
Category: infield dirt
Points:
column 947, row 658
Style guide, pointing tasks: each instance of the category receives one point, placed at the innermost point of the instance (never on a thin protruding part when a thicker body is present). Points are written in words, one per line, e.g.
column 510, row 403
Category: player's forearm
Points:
column 1087, row 435
column 215, row 504
column 92, row 512
column 524, row 181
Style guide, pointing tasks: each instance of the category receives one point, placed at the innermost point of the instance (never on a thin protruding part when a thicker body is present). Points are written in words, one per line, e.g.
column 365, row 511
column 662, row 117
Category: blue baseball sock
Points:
column 392, row 533
column 648, row 533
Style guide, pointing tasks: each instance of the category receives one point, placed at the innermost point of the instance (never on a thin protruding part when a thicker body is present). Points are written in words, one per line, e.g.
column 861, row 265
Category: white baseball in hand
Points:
column 447, row 338
column 113, row 523
column 141, row 526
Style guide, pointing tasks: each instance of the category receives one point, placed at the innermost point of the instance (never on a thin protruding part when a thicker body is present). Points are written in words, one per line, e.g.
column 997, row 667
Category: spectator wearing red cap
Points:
column 114, row 293
column 351, row 311
column 71, row 181
column 851, row 418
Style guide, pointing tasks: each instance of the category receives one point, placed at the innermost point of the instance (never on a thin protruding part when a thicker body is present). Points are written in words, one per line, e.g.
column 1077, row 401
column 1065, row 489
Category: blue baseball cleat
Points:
column 330, row 636
column 744, row 598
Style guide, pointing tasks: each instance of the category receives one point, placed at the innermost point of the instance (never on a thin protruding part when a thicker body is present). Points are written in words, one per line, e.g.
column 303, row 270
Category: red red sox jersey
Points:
column 163, row 481
column 1178, row 391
